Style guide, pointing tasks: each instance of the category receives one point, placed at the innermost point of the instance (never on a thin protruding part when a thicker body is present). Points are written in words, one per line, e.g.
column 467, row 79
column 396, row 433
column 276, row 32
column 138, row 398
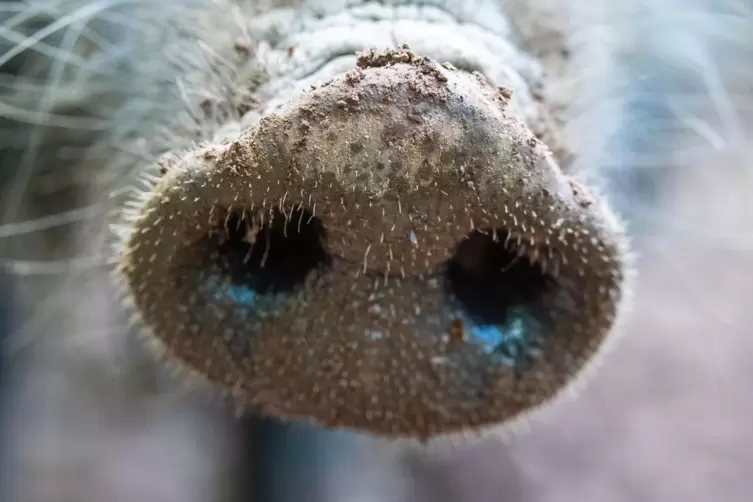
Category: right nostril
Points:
column 499, row 290
column 488, row 274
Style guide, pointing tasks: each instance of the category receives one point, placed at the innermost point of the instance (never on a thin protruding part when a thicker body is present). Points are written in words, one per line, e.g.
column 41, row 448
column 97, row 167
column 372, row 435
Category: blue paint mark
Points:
column 492, row 337
column 511, row 340
column 239, row 294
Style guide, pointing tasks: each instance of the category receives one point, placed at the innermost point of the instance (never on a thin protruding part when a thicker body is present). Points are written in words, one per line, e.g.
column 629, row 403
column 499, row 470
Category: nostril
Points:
column 499, row 291
column 488, row 275
column 267, row 252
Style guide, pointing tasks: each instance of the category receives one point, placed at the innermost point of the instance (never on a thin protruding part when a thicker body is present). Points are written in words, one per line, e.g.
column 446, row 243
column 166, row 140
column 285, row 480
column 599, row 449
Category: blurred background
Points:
column 85, row 416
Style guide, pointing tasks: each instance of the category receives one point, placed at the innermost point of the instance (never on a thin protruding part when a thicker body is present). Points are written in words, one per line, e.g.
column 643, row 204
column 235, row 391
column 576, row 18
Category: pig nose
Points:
column 392, row 252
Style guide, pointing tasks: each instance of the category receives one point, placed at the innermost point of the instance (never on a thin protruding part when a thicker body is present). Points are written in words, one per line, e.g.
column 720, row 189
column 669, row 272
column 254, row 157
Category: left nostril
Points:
column 266, row 252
